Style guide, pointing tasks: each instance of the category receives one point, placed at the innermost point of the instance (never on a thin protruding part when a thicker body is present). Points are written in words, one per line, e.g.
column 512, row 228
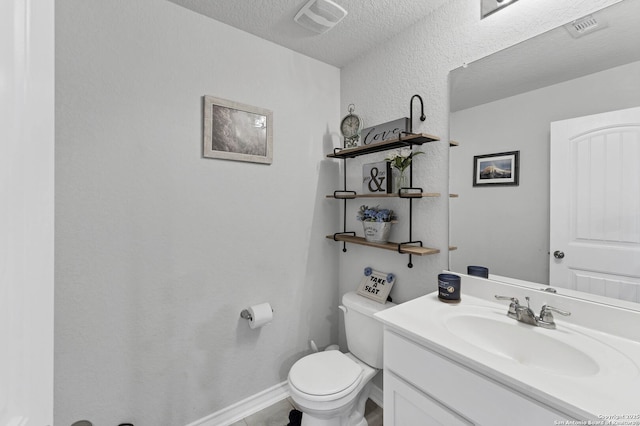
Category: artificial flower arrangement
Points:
column 401, row 158
column 375, row 214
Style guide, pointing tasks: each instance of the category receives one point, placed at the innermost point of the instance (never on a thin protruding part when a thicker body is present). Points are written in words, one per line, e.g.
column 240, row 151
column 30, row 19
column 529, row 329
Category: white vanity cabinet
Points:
column 422, row 387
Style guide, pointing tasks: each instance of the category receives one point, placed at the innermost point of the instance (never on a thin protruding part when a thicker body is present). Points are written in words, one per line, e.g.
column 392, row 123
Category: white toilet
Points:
column 331, row 388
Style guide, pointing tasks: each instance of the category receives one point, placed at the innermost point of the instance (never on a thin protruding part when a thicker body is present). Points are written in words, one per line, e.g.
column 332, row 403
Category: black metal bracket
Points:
column 350, row 233
column 407, row 243
column 344, row 243
column 344, row 194
column 417, row 243
column 410, row 192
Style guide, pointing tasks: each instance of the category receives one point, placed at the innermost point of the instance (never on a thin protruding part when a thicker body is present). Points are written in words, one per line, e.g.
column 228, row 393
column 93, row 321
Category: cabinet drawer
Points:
column 473, row 396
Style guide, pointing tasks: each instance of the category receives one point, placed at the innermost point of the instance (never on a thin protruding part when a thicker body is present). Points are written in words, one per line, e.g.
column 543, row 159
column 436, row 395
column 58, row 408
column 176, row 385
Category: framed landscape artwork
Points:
column 235, row 131
column 496, row 169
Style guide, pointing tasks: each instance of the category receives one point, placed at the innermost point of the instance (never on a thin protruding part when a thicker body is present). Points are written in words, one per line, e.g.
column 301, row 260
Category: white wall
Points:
column 26, row 212
column 158, row 249
column 381, row 83
column 509, row 232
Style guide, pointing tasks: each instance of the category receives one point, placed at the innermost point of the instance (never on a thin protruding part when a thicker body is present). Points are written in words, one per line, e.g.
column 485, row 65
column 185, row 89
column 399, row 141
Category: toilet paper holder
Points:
column 247, row 315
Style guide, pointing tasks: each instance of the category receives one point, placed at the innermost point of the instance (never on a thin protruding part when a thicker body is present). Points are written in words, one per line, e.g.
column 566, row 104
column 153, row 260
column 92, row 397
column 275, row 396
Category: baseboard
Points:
column 246, row 407
column 260, row 401
column 376, row 396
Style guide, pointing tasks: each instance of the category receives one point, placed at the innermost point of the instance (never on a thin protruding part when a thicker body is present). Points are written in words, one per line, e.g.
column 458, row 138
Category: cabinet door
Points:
column 405, row 405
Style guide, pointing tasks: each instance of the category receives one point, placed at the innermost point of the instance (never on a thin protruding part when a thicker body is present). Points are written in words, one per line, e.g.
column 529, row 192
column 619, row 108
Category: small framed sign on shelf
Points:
column 385, row 131
column 376, row 285
column 376, row 178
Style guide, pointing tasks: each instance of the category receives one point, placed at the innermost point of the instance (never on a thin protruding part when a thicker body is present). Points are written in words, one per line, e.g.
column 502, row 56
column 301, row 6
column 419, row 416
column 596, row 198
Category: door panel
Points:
column 595, row 204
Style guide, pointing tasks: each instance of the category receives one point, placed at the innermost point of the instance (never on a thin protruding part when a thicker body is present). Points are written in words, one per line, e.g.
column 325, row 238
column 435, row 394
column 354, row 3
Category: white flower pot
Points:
column 377, row 232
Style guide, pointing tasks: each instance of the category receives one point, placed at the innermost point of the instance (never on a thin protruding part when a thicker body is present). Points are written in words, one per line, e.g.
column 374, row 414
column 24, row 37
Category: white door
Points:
column 595, row 204
column 26, row 212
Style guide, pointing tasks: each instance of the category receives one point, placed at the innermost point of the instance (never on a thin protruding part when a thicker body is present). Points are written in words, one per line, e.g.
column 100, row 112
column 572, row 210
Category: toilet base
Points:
column 351, row 415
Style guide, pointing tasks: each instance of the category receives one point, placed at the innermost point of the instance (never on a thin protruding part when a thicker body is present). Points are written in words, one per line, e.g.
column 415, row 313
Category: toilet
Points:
column 331, row 388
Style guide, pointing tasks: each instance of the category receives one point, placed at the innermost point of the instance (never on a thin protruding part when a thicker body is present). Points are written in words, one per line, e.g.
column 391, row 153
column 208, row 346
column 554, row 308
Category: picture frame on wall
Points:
column 236, row 131
column 500, row 169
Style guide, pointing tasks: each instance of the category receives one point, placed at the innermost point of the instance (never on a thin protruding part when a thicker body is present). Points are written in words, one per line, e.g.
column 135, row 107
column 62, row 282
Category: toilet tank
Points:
column 364, row 332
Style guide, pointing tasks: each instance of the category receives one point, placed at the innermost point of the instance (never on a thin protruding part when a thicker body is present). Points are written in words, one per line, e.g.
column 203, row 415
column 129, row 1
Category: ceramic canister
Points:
column 449, row 288
column 478, row 271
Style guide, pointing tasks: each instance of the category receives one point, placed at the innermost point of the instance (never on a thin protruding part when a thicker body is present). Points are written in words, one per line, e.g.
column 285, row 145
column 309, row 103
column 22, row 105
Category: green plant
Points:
column 401, row 158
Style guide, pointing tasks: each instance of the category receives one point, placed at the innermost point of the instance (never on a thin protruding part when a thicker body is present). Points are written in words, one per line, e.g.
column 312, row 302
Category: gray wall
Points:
column 157, row 249
column 509, row 230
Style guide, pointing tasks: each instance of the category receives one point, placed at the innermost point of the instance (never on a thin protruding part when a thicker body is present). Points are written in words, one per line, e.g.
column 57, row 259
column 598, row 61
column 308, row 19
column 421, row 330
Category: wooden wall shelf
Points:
column 404, row 249
column 403, row 141
column 350, row 196
column 400, row 142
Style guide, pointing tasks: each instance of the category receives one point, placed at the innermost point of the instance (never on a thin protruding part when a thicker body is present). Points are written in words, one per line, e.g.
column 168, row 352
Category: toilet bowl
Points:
column 331, row 388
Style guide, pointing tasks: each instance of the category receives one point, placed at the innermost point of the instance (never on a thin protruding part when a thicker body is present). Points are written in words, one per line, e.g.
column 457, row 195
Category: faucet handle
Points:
column 512, row 307
column 513, row 299
column 546, row 313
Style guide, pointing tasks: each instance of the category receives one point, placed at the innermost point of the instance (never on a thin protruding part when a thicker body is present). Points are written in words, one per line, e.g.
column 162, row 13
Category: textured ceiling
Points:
column 367, row 24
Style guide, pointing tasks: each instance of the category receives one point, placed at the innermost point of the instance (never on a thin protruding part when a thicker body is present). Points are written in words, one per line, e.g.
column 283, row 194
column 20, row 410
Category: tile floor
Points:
column 278, row 415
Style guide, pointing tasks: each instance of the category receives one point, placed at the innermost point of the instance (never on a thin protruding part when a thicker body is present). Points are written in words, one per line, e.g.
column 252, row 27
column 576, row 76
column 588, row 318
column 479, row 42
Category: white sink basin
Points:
column 562, row 351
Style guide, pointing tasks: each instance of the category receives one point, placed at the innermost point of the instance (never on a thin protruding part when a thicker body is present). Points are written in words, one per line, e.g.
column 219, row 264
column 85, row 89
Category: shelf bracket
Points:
column 409, row 192
column 345, row 195
column 406, row 243
column 344, row 243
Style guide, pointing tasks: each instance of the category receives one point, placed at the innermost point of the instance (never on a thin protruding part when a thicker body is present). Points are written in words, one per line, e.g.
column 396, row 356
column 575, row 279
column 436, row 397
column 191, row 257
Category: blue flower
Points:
column 375, row 214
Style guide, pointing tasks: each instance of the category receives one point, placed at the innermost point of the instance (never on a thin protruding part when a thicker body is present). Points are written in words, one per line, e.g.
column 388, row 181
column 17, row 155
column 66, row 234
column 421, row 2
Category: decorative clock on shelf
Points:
column 351, row 127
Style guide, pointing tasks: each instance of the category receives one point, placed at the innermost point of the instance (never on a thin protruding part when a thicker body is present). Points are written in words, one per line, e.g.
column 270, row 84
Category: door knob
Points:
column 558, row 254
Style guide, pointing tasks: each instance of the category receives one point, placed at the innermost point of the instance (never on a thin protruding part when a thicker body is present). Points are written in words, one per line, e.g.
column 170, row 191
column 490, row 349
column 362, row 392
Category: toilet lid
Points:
column 325, row 373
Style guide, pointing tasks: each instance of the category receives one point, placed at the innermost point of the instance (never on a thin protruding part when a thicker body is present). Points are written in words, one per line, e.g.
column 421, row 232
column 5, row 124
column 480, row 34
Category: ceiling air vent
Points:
column 584, row 25
column 320, row 15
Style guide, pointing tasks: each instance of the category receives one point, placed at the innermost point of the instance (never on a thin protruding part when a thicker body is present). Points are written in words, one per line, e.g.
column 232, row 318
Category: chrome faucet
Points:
column 526, row 315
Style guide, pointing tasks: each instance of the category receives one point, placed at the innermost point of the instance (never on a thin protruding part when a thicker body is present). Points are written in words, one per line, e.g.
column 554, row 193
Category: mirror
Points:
column 506, row 102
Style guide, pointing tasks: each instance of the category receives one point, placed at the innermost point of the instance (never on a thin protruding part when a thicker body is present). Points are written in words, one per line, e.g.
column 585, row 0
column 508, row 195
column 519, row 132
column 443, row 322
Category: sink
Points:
column 560, row 352
column 588, row 367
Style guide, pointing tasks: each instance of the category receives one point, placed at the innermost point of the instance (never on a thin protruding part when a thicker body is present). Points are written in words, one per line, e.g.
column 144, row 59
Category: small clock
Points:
column 350, row 127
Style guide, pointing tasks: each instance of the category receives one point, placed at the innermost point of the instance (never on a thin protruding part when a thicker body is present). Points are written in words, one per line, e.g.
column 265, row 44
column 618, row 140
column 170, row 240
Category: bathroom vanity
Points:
column 470, row 363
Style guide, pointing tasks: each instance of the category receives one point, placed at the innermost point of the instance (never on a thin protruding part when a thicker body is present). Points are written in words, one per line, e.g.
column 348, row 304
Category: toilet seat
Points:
column 325, row 375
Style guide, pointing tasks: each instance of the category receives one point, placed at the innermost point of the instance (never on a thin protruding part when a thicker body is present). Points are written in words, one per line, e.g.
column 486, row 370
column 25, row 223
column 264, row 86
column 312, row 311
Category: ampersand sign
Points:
column 374, row 181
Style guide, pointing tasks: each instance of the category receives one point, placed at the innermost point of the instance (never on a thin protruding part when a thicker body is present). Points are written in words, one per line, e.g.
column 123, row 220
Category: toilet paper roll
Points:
column 261, row 315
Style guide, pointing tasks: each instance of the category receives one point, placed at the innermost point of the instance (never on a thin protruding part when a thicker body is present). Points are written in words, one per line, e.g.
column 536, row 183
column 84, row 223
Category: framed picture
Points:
column 235, row 131
column 496, row 169
column 376, row 285
column 376, row 178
